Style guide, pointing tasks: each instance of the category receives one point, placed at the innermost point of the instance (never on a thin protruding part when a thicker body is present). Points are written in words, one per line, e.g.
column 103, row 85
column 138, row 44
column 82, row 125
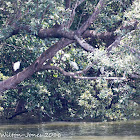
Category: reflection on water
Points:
column 72, row 131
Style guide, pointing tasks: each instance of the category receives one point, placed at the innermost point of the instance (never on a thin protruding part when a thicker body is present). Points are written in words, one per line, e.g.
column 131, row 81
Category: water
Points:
column 129, row 130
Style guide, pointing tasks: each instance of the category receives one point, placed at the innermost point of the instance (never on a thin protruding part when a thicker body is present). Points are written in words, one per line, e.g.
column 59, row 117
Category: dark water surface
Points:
column 129, row 130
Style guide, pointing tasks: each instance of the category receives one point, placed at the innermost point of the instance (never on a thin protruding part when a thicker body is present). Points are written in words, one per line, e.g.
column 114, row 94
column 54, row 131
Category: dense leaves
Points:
column 51, row 95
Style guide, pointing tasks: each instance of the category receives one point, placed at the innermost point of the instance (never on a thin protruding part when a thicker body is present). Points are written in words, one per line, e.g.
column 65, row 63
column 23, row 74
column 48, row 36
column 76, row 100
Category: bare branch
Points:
column 44, row 67
column 95, row 78
column 132, row 25
column 84, row 44
column 76, row 74
column 94, row 34
column 114, row 44
column 12, row 82
column 67, row 3
column 93, row 17
column 136, row 76
column 72, row 15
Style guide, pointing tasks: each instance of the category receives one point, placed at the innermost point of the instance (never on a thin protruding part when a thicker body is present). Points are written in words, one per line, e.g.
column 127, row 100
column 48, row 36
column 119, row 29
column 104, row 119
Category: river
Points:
column 129, row 130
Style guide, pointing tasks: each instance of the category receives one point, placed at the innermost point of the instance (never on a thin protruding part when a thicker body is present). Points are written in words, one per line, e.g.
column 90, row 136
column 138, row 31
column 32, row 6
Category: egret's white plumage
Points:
column 102, row 70
column 16, row 65
column 74, row 65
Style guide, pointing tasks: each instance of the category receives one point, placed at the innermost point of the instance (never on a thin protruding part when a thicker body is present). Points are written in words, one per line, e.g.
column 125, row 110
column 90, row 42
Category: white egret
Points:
column 16, row 65
column 102, row 70
column 74, row 65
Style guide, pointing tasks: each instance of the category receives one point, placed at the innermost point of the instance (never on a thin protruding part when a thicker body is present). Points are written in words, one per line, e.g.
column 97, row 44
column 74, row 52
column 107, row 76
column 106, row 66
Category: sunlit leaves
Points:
column 2, row 77
column 134, row 12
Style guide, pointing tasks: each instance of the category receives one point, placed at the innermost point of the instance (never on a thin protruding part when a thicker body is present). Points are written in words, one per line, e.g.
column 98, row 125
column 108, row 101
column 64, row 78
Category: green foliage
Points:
column 64, row 98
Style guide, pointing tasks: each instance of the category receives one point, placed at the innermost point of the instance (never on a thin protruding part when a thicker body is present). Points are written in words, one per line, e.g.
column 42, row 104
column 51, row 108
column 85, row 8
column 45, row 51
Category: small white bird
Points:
column 16, row 65
column 102, row 70
column 74, row 65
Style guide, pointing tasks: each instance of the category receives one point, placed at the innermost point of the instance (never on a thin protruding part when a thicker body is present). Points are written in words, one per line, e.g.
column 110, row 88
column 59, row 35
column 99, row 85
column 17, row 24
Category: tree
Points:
column 56, row 30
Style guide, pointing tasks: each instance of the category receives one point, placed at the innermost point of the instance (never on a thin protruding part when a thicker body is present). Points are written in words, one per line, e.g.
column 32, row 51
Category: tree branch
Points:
column 94, row 34
column 67, row 3
column 76, row 74
column 132, row 25
column 114, row 44
column 72, row 15
column 67, row 38
column 53, row 33
column 13, row 81
column 135, row 76
column 92, row 18
column 84, row 44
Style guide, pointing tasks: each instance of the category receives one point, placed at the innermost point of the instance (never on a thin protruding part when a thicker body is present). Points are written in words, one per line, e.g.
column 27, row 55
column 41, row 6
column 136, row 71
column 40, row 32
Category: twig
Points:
column 72, row 15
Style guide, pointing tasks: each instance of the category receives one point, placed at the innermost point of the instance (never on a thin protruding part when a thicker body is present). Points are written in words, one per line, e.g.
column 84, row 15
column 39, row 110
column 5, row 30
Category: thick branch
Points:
column 94, row 34
column 17, row 113
column 42, row 34
column 13, row 81
column 67, row 3
column 84, row 44
column 13, row 30
column 54, row 33
column 8, row 32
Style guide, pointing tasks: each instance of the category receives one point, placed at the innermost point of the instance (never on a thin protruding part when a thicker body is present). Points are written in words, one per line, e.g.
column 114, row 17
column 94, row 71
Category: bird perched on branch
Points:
column 16, row 65
column 74, row 65
column 102, row 70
